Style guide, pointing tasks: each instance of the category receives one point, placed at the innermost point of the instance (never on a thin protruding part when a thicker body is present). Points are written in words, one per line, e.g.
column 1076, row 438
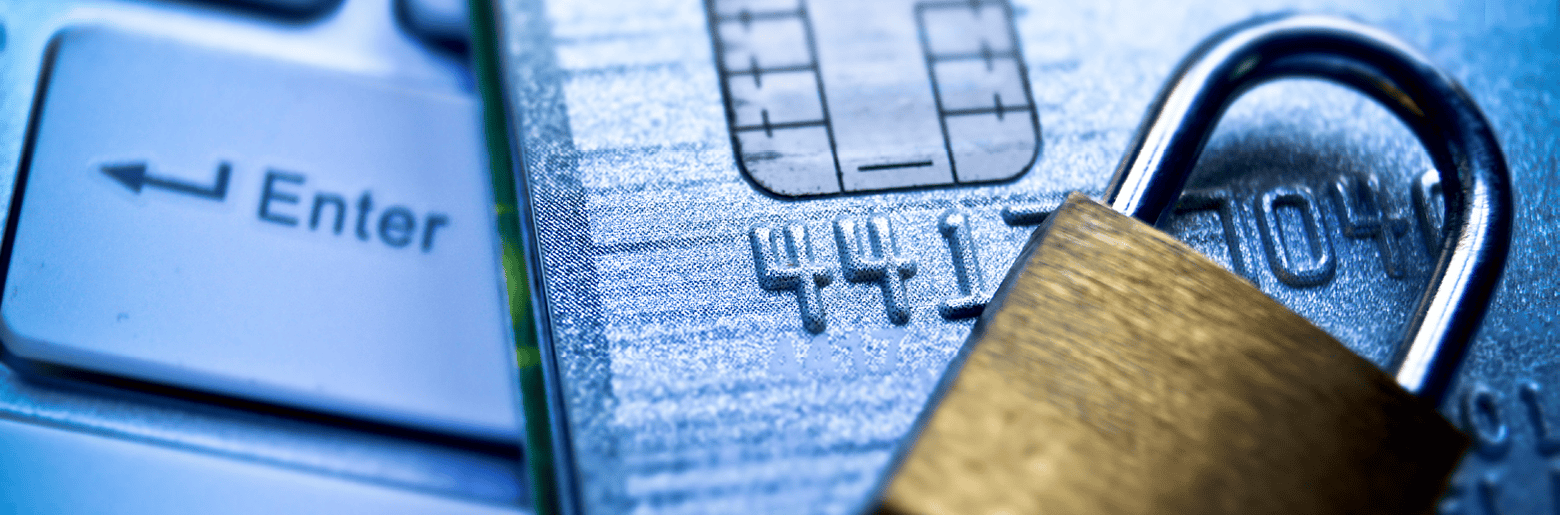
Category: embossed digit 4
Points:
column 871, row 254
column 784, row 261
column 1363, row 214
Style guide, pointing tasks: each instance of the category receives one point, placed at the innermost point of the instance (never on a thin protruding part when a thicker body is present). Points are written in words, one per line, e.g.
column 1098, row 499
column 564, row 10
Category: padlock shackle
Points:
column 1453, row 130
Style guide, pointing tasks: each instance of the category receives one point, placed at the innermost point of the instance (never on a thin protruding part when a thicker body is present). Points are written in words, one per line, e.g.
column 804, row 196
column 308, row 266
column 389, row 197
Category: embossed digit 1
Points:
column 1554, row 487
column 1362, row 215
column 1025, row 215
column 784, row 259
column 955, row 228
column 1427, row 203
column 1489, row 492
column 1318, row 240
column 1548, row 435
column 872, row 255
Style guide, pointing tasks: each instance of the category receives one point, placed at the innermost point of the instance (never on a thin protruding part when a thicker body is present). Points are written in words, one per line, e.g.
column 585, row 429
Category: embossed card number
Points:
column 1303, row 256
column 832, row 97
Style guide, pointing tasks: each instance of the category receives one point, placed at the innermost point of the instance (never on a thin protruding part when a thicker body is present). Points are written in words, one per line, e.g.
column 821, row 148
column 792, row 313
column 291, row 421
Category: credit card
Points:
column 759, row 230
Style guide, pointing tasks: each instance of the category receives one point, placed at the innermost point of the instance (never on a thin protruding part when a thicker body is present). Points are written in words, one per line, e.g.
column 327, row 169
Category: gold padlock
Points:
column 1119, row 371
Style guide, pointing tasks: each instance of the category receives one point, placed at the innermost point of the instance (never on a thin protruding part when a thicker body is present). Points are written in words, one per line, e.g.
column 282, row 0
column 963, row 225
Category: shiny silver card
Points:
column 761, row 229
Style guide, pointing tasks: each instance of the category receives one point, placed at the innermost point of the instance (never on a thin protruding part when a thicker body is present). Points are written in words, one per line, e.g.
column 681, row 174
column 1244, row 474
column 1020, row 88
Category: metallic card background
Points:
column 688, row 387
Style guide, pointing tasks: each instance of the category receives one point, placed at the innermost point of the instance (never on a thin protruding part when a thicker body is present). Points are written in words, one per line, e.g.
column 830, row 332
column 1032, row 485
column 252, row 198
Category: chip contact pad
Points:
column 845, row 97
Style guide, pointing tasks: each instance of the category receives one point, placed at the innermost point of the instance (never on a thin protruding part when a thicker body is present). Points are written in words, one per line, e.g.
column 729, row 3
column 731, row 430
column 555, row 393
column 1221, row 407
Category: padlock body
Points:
column 1120, row 371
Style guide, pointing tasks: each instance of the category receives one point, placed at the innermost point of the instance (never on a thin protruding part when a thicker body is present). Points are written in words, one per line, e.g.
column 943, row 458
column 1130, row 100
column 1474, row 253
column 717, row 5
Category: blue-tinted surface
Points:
column 436, row 20
column 239, row 247
column 691, row 384
column 314, row 256
column 46, row 470
column 362, row 39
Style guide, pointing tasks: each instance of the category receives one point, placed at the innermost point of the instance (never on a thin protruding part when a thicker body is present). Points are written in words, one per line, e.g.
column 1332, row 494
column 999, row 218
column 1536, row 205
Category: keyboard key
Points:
column 285, row 7
column 263, row 230
column 47, row 470
column 436, row 20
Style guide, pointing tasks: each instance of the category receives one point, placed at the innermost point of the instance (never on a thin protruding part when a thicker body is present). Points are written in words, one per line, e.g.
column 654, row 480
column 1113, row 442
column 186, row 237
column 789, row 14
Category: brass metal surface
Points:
column 1119, row 371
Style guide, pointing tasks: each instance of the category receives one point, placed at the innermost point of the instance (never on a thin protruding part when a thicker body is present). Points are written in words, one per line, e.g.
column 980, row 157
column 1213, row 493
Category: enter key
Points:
column 229, row 224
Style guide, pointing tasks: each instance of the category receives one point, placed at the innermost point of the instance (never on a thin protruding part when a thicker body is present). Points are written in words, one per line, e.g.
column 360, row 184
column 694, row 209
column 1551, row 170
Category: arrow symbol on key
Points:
column 134, row 176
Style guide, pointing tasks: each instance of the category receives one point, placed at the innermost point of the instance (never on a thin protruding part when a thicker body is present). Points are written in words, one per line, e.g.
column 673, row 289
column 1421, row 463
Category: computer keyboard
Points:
column 439, row 21
column 46, row 470
column 296, row 236
column 298, row 8
column 251, row 262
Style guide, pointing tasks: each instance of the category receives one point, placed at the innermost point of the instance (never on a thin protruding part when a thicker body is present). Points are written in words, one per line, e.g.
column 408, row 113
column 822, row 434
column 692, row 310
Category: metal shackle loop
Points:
column 1449, row 125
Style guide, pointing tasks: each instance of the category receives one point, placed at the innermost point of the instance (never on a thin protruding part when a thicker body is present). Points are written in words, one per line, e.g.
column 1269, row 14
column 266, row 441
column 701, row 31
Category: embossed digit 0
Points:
column 1481, row 414
column 1280, row 257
